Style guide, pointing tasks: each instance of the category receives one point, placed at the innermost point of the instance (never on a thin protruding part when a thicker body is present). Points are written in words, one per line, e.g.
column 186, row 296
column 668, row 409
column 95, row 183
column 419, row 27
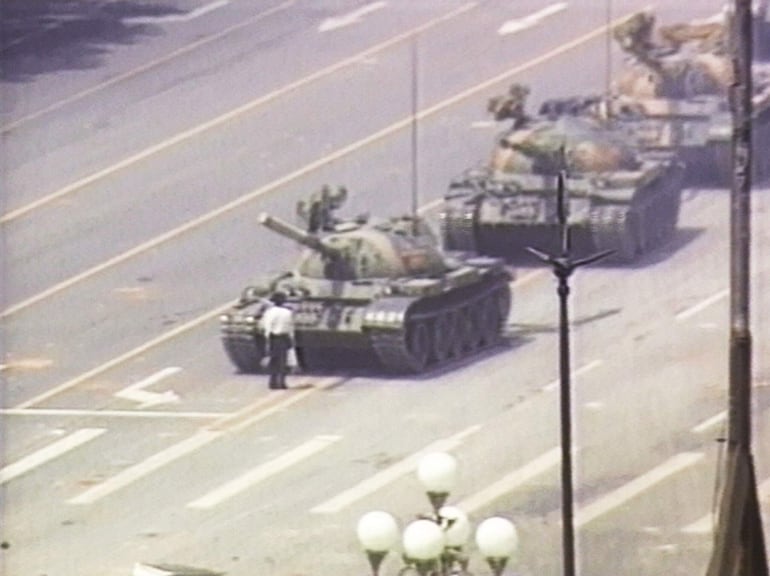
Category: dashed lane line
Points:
column 147, row 414
column 616, row 498
column 48, row 453
column 511, row 481
column 288, row 178
column 144, row 68
column 702, row 305
column 228, row 116
column 388, row 475
column 262, row 472
column 575, row 373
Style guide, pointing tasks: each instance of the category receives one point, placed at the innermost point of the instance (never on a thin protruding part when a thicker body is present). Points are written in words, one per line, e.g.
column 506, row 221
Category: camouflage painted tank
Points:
column 674, row 96
column 618, row 200
column 383, row 291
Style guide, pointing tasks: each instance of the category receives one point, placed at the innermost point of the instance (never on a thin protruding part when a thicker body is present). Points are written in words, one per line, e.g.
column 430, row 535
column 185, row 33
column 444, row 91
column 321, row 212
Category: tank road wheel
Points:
column 443, row 334
column 490, row 321
column 628, row 237
column 418, row 346
column 244, row 354
column 467, row 329
column 722, row 166
column 761, row 158
column 502, row 297
column 476, row 314
column 456, row 331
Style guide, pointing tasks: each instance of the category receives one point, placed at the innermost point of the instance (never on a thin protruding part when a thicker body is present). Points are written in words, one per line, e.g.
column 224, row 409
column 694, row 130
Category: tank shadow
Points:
column 681, row 238
column 47, row 36
column 522, row 330
column 366, row 365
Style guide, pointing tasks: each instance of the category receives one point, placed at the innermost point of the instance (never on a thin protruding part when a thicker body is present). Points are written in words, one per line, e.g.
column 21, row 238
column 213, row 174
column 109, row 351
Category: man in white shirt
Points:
column 278, row 323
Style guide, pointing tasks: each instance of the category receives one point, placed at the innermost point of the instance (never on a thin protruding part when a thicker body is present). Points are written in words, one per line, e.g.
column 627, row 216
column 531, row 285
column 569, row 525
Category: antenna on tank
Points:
column 414, row 135
column 608, row 50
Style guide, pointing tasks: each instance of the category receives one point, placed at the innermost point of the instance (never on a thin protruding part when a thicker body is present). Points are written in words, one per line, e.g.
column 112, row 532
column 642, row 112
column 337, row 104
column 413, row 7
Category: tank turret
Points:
column 673, row 97
column 382, row 292
column 687, row 60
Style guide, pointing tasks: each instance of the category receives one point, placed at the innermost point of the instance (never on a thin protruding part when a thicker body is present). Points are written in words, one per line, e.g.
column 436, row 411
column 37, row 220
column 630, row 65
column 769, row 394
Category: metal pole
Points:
column 563, row 266
column 739, row 546
column 568, row 531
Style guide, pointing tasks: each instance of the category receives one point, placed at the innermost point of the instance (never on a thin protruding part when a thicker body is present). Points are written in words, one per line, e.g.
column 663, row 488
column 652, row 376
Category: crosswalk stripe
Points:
column 50, row 452
column 705, row 524
column 511, row 481
column 390, row 474
column 145, row 467
column 263, row 472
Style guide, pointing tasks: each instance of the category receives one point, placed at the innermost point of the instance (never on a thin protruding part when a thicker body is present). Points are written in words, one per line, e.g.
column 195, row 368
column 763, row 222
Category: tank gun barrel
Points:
column 297, row 235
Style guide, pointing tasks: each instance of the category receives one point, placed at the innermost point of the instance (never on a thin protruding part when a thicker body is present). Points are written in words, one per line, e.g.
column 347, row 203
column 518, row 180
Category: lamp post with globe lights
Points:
column 434, row 544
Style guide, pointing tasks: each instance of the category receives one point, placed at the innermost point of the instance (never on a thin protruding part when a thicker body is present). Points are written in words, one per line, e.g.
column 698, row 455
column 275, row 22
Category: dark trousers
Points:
column 279, row 345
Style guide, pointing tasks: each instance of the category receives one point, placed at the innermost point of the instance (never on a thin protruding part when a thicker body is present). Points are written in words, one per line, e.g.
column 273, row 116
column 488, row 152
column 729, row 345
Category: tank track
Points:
column 473, row 319
column 457, row 230
column 636, row 229
column 244, row 352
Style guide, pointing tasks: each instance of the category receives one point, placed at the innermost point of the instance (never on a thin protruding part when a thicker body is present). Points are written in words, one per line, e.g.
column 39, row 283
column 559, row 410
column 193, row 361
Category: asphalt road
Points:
column 138, row 149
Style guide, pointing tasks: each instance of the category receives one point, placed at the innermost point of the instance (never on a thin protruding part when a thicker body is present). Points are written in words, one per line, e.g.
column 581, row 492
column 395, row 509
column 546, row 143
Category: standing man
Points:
column 278, row 322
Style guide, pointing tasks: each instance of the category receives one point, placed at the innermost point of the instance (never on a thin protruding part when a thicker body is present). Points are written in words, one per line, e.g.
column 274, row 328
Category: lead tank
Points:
column 384, row 291
column 673, row 97
column 618, row 199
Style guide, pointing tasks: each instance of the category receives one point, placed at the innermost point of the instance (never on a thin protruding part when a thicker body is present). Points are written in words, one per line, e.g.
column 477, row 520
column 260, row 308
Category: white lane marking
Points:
column 186, row 17
column 137, row 393
column 350, row 18
column 528, row 277
column 693, row 310
column 710, row 422
column 635, row 487
column 231, row 115
column 574, row 374
column 385, row 477
column 49, row 453
column 143, row 68
column 263, row 472
column 705, row 524
column 142, row 469
column 511, row 481
column 127, row 356
column 483, row 124
column 37, row 412
column 519, row 24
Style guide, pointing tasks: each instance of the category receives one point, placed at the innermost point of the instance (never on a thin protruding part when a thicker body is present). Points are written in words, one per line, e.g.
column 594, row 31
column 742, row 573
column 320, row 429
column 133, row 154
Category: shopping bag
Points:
column 291, row 358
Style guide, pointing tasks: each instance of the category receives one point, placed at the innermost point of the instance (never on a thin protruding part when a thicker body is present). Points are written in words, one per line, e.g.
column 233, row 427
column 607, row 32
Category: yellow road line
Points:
column 308, row 168
column 144, row 68
column 223, row 118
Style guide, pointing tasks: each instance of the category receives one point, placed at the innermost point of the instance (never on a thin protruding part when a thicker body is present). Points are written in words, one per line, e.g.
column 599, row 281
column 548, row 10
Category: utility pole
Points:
column 739, row 545
column 563, row 266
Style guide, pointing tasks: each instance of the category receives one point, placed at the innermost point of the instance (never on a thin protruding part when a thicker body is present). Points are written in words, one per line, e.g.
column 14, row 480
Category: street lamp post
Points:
column 434, row 544
column 563, row 266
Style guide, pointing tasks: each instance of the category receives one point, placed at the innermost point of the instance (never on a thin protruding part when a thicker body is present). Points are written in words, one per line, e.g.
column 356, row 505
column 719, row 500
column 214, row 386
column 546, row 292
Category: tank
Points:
column 381, row 291
column 618, row 199
column 673, row 97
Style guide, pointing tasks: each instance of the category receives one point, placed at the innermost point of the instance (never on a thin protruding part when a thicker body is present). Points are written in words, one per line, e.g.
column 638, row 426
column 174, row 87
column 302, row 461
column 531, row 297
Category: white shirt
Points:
column 278, row 320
